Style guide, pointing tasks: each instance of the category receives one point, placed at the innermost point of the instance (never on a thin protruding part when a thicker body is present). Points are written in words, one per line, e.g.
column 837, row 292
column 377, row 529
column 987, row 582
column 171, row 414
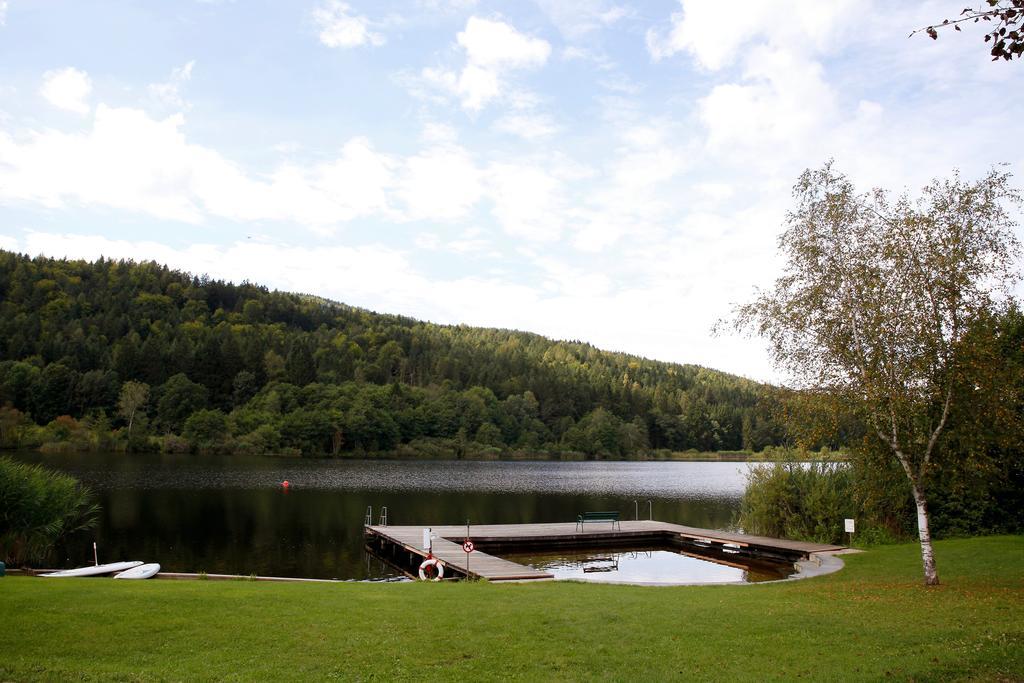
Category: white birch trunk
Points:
column 931, row 576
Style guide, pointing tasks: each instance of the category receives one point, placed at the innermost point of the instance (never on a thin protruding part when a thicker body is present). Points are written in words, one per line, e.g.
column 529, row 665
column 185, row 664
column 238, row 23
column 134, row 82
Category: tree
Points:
column 299, row 366
column 179, row 398
column 96, row 390
column 877, row 300
column 1006, row 38
column 13, row 425
column 244, row 387
column 206, row 429
column 310, row 430
column 16, row 381
column 133, row 396
column 52, row 392
column 488, row 434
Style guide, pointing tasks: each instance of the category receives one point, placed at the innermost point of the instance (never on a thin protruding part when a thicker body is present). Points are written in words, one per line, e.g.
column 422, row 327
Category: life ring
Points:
column 429, row 567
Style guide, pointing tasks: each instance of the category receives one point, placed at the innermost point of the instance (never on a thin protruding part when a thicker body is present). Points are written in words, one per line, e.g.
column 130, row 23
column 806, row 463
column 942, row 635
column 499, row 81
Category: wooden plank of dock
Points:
column 450, row 553
column 447, row 547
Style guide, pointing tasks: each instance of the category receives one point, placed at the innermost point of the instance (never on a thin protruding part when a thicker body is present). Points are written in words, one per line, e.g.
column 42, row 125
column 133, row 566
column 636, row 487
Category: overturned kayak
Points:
column 143, row 571
column 96, row 570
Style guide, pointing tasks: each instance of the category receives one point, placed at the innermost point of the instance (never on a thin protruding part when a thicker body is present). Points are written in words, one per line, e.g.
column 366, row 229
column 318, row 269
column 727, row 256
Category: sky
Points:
column 609, row 171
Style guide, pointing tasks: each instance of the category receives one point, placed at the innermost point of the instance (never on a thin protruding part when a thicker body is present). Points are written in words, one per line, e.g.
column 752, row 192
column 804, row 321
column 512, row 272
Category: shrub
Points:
column 171, row 443
column 264, row 440
column 65, row 434
column 206, row 430
column 806, row 501
column 37, row 507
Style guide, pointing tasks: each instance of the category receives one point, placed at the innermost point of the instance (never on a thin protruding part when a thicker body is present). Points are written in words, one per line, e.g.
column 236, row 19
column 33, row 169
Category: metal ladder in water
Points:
column 650, row 510
column 368, row 521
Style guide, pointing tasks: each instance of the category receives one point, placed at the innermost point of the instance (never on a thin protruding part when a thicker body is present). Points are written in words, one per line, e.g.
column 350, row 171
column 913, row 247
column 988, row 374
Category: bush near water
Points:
column 975, row 482
column 808, row 501
column 37, row 507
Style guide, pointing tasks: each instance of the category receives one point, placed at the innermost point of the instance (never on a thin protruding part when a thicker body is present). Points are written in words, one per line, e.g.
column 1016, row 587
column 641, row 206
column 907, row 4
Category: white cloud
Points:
column 528, row 200
column 67, row 88
column 492, row 49
column 566, row 280
column 131, row 161
column 3, row 12
column 468, row 242
column 477, row 86
column 638, row 192
column 339, row 27
column 427, row 240
column 780, row 107
column 526, row 126
column 497, row 45
column 447, row 6
column 471, row 246
column 439, row 134
column 352, row 185
column 576, row 18
column 440, row 184
column 716, row 192
column 716, row 35
column 128, row 160
column 169, row 92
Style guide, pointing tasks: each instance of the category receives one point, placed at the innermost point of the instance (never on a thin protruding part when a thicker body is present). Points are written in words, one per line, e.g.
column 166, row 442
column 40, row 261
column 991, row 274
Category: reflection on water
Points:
column 693, row 480
column 228, row 514
column 650, row 566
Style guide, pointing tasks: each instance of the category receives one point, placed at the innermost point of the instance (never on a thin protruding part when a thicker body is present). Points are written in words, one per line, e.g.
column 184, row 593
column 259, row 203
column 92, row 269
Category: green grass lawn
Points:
column 873, row 620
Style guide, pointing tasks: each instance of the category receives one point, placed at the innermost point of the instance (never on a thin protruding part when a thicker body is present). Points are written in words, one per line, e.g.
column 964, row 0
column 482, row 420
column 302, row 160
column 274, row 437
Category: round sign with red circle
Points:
column 468, row 546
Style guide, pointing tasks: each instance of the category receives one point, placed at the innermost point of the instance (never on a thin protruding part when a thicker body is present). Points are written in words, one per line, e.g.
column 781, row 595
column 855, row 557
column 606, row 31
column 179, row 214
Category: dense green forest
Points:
column 136, row 356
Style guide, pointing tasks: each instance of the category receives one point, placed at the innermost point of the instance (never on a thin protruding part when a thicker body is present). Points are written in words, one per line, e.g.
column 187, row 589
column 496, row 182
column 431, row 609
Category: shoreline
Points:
column 778, row 455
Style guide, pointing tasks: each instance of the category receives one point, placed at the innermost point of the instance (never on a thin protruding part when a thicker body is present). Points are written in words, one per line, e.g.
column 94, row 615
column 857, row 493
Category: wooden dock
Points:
column 447, row 546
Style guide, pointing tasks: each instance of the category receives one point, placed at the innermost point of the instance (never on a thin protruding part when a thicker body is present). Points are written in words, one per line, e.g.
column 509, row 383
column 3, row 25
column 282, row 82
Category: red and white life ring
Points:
column 431, row 570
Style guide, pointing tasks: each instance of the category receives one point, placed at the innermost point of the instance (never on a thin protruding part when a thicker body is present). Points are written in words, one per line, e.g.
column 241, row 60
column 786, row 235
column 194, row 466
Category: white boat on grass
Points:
column 96, row 570
column 143, row 571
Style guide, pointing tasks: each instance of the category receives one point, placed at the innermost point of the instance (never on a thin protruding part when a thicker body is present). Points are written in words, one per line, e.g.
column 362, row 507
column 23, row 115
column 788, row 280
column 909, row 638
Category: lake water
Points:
column 651, row 565
column 228, row 514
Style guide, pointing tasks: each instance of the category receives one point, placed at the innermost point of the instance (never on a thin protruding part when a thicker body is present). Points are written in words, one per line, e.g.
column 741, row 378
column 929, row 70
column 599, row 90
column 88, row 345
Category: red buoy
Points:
column 285, row 484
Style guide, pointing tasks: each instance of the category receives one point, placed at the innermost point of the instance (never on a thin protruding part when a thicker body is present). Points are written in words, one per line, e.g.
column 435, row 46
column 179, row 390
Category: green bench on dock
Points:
column 609, row 516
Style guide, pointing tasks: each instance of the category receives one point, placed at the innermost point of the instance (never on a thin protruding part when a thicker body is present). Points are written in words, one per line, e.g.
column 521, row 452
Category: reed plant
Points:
column 38, row 506
column 806, row 501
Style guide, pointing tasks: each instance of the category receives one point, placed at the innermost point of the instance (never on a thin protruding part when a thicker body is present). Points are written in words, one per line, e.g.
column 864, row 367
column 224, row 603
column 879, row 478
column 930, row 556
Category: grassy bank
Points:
column 871, row 621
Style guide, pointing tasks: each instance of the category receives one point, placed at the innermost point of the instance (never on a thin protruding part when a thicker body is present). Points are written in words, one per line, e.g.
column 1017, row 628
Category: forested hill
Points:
column 242, row 368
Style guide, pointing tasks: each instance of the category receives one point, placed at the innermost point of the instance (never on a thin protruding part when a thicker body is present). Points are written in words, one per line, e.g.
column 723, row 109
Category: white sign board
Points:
column 426, row 539
column 849, row 526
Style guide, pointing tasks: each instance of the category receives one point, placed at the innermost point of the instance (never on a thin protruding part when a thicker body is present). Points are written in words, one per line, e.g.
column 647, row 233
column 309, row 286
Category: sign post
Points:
column 849, row 528
column 467, row 547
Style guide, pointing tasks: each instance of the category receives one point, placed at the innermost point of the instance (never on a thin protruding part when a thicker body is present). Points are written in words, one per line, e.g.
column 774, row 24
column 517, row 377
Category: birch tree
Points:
column 133, row 396
column 876, row 301
column 1002, row 19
